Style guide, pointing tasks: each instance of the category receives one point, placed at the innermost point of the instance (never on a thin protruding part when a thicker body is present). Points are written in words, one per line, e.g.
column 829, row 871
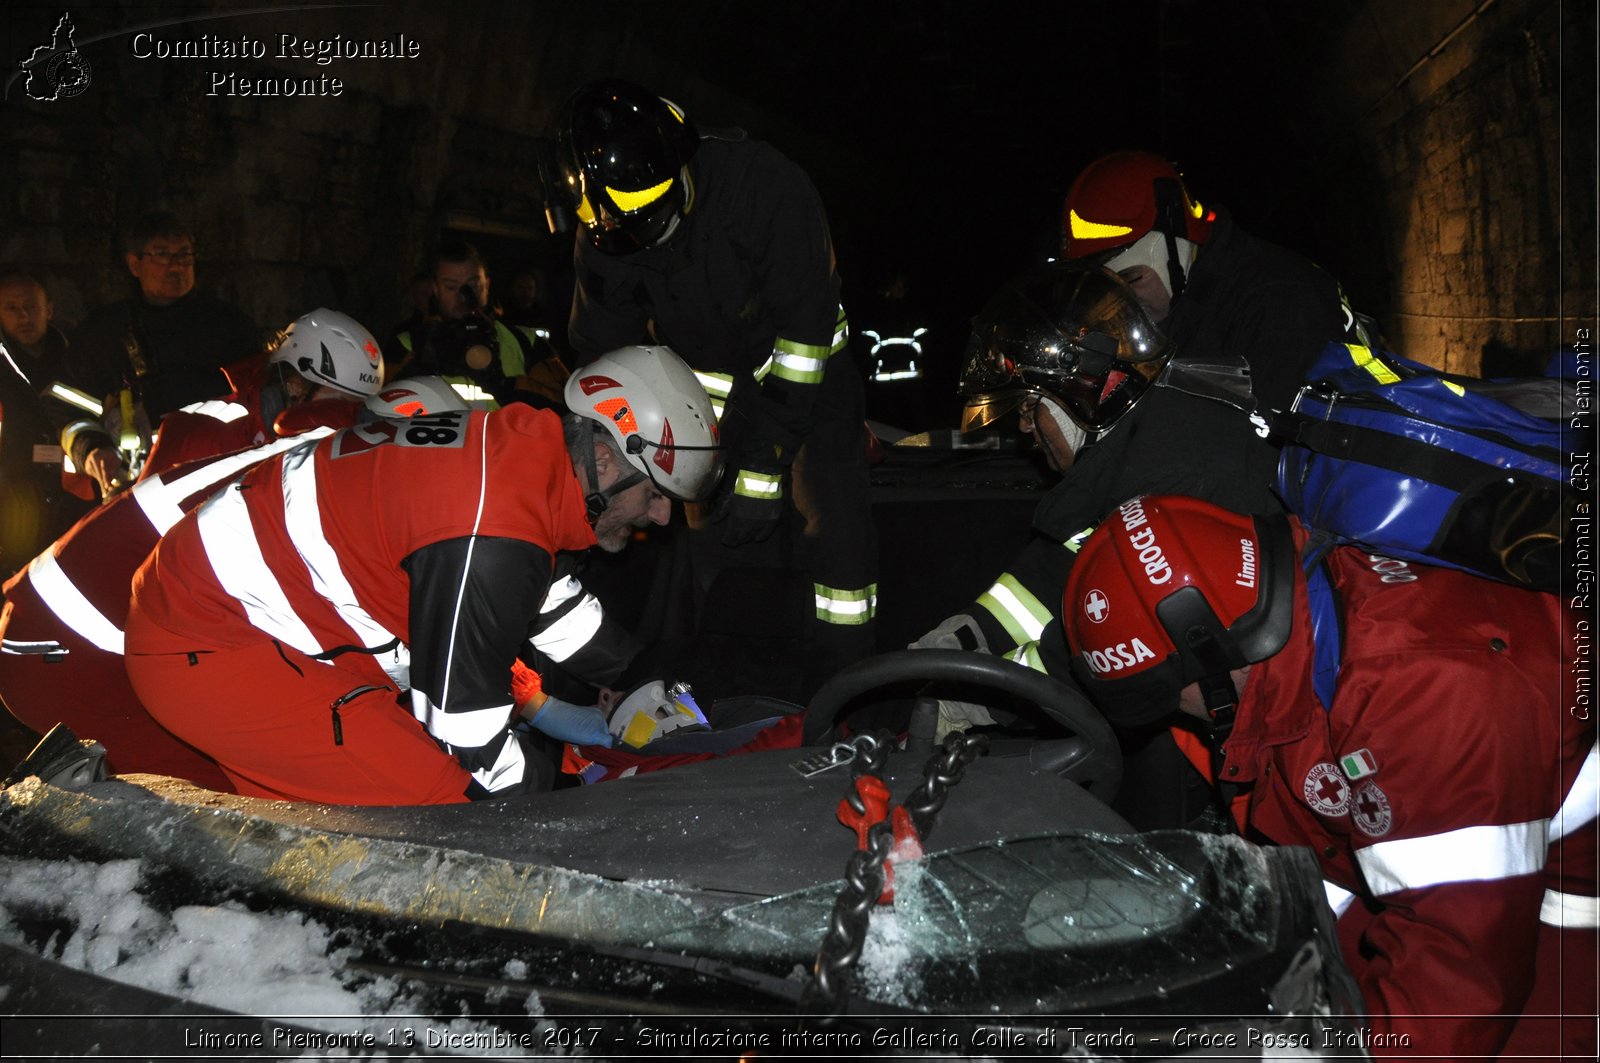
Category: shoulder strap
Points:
column 1327, row 618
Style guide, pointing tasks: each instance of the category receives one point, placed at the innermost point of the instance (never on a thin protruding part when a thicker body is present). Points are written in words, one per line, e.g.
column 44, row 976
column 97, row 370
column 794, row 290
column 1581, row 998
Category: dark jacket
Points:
column 34, row 506
column 1248, row 298
column 1245, row 299
column 751, row 268
column 183, row 348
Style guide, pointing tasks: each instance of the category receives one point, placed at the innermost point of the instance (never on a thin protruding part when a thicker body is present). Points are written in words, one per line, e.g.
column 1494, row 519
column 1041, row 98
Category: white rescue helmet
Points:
column 657, row 413
column 330, row 348
column 654, row 709
column 413, row 396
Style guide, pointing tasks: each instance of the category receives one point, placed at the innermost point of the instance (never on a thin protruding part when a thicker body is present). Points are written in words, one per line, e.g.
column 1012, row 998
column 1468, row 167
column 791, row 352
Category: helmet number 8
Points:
column 434, row 430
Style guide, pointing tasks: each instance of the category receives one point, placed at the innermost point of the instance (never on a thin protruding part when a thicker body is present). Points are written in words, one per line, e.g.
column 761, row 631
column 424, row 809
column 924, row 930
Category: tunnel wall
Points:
column 1444, row 165
column 1466, row 154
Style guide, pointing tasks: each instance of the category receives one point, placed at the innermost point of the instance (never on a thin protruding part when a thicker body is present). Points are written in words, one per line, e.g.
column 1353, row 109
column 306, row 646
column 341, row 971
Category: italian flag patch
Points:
column 1358, row 765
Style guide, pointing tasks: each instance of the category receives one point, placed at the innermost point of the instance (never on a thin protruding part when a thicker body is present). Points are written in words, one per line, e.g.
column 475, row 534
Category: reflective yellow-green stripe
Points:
column 1365, row 359
column 1018, row 611
column 718, row 387
column 799, row 363
column 846, row 606
column 1075, row 543
column 765, row 485
column 1027, row 654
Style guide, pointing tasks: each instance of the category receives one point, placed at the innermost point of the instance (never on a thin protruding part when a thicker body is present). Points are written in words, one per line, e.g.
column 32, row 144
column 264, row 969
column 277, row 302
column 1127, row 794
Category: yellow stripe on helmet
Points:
column 632, row 201
column 1082, row 229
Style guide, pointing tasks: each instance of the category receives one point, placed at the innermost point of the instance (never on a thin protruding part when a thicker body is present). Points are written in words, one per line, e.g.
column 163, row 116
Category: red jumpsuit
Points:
column 1451, row 787
column 61, row 629
column 275, row 626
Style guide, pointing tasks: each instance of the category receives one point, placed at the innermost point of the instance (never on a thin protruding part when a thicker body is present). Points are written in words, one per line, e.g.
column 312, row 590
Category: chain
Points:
column 864, row 873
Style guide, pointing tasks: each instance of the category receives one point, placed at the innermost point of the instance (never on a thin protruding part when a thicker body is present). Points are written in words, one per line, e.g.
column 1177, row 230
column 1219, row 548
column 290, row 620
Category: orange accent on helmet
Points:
column 620, row 411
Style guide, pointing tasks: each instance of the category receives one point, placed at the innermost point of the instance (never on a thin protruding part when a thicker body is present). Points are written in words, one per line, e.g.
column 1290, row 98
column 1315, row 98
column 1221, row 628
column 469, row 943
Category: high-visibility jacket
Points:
column 1451, row 786
column 417, row 553
column 61, row 633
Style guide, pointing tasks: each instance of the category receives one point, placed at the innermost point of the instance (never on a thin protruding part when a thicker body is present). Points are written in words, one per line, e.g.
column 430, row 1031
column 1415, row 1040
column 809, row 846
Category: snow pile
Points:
column 275, row 964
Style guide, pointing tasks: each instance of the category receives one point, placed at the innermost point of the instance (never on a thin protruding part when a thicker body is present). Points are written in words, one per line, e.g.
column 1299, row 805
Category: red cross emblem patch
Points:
column 1370, row 811
column 1096, row 607
column 1326, row 791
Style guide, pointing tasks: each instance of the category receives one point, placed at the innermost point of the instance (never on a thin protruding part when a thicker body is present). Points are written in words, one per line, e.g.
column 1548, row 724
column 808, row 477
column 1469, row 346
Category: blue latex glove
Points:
column 583, row 725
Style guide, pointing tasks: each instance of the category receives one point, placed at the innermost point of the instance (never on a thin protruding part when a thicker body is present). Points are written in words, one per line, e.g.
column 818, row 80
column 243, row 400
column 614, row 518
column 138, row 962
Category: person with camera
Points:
column 488, row 362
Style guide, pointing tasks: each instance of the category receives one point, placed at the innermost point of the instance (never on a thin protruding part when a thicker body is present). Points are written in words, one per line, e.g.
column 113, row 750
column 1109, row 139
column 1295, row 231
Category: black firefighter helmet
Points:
column 624, row 157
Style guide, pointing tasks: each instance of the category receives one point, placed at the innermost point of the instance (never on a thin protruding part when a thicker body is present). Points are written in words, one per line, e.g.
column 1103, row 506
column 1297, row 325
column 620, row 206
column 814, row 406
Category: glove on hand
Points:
column 583, row 725
column 960, row 632
column 748, row 520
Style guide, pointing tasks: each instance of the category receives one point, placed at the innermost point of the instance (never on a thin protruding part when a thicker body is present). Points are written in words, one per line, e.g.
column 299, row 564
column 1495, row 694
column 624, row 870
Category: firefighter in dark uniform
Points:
column 718, row 246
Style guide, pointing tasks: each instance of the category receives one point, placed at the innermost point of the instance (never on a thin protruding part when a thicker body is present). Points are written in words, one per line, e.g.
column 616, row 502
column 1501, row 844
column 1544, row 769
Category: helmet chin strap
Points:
column 596, row 499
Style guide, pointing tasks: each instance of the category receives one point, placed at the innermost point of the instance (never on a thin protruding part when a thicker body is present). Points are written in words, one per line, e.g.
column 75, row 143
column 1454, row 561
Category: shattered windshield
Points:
column 1058, row 923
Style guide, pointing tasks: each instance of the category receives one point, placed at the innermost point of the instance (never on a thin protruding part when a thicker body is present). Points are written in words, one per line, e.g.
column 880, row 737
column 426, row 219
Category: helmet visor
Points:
column 990, row 407
column 1078, row 335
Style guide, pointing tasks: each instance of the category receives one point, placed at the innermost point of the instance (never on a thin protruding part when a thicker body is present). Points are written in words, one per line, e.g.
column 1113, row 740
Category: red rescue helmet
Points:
column 1171, row 590
column 1133, row 208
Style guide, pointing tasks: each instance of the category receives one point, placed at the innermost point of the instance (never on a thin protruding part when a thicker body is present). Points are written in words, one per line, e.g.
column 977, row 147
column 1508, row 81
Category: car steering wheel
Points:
column 1093, row 759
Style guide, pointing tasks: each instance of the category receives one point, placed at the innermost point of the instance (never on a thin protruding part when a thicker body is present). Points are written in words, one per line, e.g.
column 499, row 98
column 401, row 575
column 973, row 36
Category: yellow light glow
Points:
column 632, row 201
column 1083, row 229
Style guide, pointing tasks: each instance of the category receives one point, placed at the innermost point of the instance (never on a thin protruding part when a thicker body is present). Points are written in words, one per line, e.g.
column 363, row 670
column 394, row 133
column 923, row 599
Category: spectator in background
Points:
column 35, row 504
column 167, row 343
column 488, row 361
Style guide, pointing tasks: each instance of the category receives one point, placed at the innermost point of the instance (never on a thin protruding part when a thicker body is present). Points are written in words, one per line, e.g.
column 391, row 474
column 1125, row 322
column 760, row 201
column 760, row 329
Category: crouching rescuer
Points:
column 348, row 622
column 1406, row 723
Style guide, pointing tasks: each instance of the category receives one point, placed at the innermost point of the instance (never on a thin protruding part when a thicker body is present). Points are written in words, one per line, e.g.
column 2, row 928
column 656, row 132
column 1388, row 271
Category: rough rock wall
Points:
column 1467, row 129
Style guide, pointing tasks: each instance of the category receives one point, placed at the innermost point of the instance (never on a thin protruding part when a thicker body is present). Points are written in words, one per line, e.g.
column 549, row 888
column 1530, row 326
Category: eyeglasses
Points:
column 170, row 258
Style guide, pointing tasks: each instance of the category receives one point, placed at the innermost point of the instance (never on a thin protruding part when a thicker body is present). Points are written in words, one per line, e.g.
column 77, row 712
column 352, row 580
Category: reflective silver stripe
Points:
column 835, row 606
column 160, row 499
column 1582, row 805
column 572, row 632
column 509, row 768
column 1471, row 854
column 462, row 730
column 1339, row 898
column 63, row 598
column 235, row 555
column 30, row 648
column 1018, row 611
column 217, row 409
column 302, row 517
column 1570, row 911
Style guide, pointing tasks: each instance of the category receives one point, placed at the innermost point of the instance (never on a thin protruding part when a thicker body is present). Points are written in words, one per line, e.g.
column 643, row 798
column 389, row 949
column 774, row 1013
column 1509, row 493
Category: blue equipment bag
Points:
column 1413, row 463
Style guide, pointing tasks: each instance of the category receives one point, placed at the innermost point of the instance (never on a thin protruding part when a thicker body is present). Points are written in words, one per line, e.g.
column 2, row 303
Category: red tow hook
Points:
column 874, row 800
